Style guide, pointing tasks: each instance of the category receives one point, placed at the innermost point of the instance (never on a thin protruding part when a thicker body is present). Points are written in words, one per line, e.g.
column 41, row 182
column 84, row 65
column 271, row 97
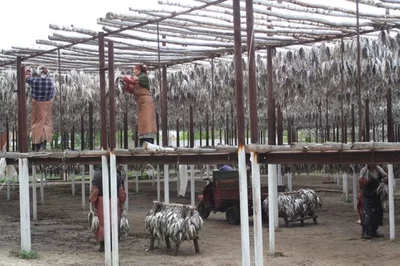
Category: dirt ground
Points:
column 61, row 235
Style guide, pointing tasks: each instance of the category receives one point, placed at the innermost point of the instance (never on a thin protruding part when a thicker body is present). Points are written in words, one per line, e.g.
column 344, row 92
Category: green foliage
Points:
column 28, row 255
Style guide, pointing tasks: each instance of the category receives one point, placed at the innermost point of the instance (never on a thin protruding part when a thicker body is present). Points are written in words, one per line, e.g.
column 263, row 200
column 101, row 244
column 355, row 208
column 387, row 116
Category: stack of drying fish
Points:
column 383, row 192
column 295, row 205
column 176, row 221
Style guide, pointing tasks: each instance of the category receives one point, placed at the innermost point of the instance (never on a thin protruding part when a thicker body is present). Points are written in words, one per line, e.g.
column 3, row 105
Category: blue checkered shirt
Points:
column 42, row 89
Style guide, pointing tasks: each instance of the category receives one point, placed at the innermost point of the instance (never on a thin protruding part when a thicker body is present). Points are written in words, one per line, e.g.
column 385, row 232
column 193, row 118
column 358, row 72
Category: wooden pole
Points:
column 389, row 122
column 83, row 187
column 103, row 110
column 367, row 125
column 34, row 193
column 192, row 186
column 392, row 227
column 82, row 133
column 111, row 95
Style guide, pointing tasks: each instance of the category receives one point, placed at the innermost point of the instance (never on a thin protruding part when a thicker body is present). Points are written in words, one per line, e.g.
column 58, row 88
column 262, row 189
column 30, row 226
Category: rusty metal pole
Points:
column 367, row 125
column 19, row 117
column 358, row 82
column 389, row 122
column 103, row 103
column 342, row 87
column 90, row 130
column 82, row 133
column 252, row 72
column 244, row 212
column 212, row 105
column 63, row 141
column 353, row 127
column 270, row 99
column 164, row 112
column 280, row 126
column 207, row 130
column 177, row 133
column 23, row 147
column 191, row 127
column 111, row 88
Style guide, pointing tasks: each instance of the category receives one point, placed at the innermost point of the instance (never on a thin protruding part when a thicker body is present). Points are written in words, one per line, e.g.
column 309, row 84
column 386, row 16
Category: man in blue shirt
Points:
column 42, row 92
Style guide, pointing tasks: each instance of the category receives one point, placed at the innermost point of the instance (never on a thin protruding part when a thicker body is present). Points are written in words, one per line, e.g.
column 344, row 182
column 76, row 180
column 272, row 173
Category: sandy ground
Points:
column 61, row 235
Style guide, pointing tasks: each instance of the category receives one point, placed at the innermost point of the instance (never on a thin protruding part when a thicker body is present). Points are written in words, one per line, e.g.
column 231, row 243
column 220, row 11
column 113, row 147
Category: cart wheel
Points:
column 233, row 215
column 203, row 210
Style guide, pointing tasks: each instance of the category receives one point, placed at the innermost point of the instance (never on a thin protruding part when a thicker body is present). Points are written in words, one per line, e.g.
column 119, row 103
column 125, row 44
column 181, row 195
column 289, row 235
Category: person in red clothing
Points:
column 139, row 86
column 96, row 198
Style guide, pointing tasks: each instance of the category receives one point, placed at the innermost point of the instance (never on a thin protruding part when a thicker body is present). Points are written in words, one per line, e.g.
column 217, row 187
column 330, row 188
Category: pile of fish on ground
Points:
column 178, row 222
column 296, row 205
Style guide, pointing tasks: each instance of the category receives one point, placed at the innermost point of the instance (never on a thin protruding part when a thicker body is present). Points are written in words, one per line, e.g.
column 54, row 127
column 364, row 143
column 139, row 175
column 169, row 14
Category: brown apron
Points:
column 42, row 121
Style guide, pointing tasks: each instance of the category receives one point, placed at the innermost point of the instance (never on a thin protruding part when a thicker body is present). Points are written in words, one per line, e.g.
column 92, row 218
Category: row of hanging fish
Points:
column 294, row 205
column 178, row 222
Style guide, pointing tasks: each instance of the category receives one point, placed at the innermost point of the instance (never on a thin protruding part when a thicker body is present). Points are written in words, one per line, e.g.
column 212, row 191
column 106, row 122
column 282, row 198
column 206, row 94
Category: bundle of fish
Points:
column 176, row 221
column 294, row 205
column 383, row 193
column 124, row 226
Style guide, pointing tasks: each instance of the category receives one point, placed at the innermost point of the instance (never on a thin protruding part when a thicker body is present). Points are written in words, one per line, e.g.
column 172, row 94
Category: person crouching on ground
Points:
column 42, row 92
column 372, row 215
column 96, row 197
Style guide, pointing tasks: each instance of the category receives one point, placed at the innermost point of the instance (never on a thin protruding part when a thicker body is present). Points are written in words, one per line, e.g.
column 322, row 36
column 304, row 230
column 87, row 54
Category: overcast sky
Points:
column 22, row 22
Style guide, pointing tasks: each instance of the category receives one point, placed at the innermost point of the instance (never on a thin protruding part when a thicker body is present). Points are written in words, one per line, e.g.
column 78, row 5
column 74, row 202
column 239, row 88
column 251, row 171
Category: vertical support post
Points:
column 290, row 186
column 212, row 105
column 192, row 186
column 137, row 181
column 103, row 107
column 90, row 133
column 391, row 202
column 367, row 125
column 358, row 82
column 158, row 183
column 106, row 212
column 280, row 179
column 126, row 128
column 390, row 135
column 177, row 133
column 83, row 187
column 207, row 130
column 34, row 193
column 355, row 191
column 82, row 133
column 126, row 186
column 24, row 205
column 166, row 183
column 191, row 127
column 111, row 88
column 257, row 212
column 22, row 127
column 73, row 183
column 164, row 113
column 342, row 89
column 244, row 213
column 114, row 209
column 41, row 188
column 345, row 187
column 272, row 205
column 353, row 127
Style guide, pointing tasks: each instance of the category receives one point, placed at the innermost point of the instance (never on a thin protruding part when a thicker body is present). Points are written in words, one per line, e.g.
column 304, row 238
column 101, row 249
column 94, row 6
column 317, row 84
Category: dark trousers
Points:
column 142, row 140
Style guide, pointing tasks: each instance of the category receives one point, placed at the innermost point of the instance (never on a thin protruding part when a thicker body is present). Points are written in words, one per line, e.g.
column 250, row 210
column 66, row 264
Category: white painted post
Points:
column 192, row 187
column 257, row 212
column 208, row 170
column 244, row 206
column 83, row 187
column 272, row 202
column 355, row 191
column 275, row 187
column 41, row 188
column 280, row 179
column 13, row 180
column 106, row 212
column 8, row 189
column 114, row 210
column 166, row 183
column 91, row 171
column 137, row 181
column 178, row 181
column 126, row 185
column 158, row 183
column 290, row 186
column 337, row 179
column 345, row 187
column 73, row 183
column 24, row 205
column 391, row 202
column 34, row 196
